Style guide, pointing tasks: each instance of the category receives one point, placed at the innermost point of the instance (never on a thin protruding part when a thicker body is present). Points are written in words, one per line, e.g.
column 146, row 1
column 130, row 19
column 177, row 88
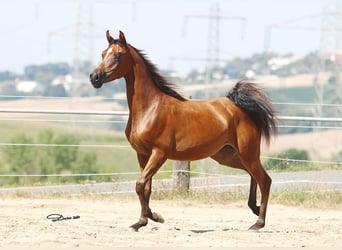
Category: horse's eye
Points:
column 117, row 56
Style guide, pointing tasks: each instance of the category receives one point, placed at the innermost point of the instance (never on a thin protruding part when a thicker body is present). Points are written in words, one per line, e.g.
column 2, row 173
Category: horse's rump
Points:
column 257, row 105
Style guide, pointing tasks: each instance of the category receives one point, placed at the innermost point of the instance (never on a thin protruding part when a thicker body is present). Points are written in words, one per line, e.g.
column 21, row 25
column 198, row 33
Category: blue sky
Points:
column 37, row 31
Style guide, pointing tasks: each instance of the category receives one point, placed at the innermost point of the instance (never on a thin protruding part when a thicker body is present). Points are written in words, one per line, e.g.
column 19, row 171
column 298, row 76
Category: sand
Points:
column 105, row 222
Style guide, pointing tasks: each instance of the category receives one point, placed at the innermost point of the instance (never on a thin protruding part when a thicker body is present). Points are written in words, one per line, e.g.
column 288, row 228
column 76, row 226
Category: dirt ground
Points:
column 105, row 222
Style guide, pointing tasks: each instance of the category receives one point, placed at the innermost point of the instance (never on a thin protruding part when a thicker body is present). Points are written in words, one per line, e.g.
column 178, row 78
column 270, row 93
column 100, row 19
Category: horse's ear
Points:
column 110, row 39
column 122, row 38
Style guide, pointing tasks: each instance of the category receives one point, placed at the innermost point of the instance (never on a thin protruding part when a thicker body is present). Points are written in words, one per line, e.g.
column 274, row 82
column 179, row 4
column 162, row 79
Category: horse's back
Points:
column 202, row 127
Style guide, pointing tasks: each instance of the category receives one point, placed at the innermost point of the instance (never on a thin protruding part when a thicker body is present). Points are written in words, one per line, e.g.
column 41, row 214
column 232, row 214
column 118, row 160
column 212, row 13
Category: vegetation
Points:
column 315, row 199
column 77, row 159
column 43, row 160
column 279, row 162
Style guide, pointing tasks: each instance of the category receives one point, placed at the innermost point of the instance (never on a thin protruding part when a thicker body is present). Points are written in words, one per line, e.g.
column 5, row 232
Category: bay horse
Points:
column 165, row 125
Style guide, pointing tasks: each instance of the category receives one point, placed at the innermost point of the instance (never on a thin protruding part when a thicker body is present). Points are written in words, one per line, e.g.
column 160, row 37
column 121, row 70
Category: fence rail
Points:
column 126, row 113
column 63, row 112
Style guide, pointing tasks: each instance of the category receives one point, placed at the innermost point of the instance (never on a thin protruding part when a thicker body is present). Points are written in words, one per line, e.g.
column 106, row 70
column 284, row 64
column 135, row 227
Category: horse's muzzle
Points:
column 97, row 79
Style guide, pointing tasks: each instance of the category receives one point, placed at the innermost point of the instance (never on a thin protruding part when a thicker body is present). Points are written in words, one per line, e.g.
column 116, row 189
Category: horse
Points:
column 163, row 125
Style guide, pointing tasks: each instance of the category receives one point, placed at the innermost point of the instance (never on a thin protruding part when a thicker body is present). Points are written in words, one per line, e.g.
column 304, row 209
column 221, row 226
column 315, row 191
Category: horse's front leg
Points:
column 153, row 216
column 144, row 185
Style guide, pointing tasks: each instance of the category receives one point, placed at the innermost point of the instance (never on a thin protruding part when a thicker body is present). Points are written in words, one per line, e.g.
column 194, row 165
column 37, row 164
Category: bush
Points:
column 280, row 164
column 337, row 157
column 43, row 160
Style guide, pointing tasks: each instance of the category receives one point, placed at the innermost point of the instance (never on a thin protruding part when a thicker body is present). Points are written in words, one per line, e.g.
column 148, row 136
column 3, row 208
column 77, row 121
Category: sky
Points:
column 49, row 31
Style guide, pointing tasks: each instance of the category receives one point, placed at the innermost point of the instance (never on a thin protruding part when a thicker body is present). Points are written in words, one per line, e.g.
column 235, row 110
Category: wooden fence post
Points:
column 181, row 176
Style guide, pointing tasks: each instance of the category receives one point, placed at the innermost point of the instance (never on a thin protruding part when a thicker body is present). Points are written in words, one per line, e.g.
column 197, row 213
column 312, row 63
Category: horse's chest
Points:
column 140, row 141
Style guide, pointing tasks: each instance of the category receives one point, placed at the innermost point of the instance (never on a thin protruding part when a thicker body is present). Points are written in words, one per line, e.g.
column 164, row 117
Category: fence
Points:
column 125, row 113
column 181, row 170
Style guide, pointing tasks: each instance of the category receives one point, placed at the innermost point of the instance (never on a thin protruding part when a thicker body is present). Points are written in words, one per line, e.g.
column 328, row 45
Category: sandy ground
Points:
column 104, row 222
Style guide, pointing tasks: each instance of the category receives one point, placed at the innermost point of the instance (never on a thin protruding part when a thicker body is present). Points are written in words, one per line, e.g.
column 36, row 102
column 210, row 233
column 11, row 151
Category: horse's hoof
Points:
column 259, row 224
column 254, row 228
column 141, row 223
column 157, row 218
column 134, row 229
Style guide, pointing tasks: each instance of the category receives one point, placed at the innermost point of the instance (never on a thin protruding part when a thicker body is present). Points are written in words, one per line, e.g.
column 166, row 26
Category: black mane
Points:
column 162, row 84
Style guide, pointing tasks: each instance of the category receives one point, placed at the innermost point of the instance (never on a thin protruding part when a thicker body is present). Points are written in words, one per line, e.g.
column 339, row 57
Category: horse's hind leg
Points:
column 264, row 181
column 252, row 202
column 228, row 156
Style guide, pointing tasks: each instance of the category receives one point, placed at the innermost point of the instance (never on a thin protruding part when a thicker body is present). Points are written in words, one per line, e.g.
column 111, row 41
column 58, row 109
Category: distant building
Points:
column 278, row 62
column 27, row 86
column 65, row 80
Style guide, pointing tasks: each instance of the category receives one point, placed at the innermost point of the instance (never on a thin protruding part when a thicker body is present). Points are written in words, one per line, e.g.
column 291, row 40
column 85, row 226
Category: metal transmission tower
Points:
column 213, row 47
column 83, row 33
column 84, row 37
column 329, row 24
column 331, row 48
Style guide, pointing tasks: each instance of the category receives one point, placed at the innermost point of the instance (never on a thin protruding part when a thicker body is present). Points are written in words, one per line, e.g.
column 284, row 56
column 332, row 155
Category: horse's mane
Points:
column 163, row 85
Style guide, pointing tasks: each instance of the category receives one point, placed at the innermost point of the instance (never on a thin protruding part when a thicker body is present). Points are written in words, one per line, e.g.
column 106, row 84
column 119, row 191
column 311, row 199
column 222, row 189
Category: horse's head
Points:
column 116, row 61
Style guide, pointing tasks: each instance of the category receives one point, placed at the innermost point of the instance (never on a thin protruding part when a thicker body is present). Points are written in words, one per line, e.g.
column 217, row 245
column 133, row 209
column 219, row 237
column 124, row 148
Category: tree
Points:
column 22, row 159
column 85, row 164
column 46, row 71
column 57, row 90
column 65, row 156
column 7, row 75
column 45, row 159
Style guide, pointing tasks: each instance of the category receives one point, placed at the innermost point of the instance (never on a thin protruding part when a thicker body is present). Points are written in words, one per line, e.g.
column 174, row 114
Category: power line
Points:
column 213, row 46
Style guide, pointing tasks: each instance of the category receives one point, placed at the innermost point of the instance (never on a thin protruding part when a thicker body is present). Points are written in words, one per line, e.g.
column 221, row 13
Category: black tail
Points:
column 257, row 105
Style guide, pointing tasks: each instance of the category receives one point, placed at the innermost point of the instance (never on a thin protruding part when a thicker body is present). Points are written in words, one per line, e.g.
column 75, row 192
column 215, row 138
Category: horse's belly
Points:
column 192, row 155
column 196, row 152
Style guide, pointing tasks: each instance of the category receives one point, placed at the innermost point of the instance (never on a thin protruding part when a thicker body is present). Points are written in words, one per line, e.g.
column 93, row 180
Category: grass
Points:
column 315, row 200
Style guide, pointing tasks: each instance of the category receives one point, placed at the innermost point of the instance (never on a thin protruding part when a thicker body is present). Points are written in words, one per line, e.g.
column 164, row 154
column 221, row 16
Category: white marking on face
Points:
column 109, row 51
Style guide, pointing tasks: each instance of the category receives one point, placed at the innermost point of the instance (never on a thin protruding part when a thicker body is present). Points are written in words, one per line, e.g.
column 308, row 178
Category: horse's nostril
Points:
column 94, row 77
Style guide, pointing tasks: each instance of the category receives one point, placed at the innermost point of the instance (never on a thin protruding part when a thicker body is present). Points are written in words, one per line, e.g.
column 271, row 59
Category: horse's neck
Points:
column 141, row 91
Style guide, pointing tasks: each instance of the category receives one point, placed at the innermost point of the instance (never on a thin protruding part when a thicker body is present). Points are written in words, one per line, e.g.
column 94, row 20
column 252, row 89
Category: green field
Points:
column 115, row 157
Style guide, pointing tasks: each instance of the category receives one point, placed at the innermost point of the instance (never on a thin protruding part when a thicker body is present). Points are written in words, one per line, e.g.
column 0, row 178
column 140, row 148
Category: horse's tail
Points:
column 257, row 105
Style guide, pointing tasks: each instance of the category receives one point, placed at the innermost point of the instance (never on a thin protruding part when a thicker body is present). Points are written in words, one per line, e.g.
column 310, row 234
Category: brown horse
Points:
column 164, row 125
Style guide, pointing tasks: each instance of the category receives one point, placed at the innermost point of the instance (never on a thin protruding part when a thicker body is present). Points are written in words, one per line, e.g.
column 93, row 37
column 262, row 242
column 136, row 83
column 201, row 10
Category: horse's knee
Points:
column 140, row 187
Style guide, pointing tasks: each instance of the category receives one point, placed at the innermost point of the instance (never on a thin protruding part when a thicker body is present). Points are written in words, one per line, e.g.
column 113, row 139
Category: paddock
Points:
column 104, row 222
